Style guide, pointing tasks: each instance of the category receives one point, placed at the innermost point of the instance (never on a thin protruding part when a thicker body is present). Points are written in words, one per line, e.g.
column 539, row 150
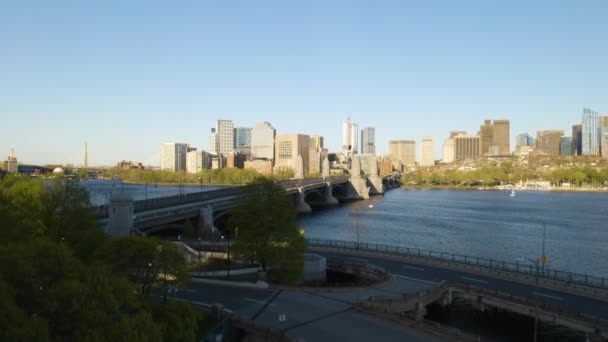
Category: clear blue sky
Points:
column 128, row 75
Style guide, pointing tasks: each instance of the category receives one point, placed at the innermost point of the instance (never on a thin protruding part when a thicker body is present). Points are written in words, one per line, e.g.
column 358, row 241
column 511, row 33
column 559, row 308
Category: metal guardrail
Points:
column 530, row 270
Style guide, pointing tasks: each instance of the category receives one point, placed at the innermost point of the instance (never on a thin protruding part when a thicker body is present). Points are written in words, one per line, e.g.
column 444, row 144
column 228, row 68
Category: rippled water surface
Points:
column 488, row 224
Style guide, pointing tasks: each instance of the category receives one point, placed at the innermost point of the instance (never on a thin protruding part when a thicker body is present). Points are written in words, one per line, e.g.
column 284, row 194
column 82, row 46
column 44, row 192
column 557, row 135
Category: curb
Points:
column 258, row 285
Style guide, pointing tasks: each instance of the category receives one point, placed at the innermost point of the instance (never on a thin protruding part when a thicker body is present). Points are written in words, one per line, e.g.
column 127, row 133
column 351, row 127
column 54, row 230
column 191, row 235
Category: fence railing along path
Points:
column 499, row 265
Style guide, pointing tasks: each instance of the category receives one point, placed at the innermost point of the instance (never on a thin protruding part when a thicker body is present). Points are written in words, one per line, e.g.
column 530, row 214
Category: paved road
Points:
column 328, row 316
column 424, row 273
column 310, row 315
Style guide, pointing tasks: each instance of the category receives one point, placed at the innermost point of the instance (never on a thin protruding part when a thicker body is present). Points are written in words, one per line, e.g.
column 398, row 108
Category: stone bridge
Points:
column 124, row 216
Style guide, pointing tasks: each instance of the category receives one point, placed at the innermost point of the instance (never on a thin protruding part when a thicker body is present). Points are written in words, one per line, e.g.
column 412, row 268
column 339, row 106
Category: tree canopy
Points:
column 267, row 231
column 63, row 279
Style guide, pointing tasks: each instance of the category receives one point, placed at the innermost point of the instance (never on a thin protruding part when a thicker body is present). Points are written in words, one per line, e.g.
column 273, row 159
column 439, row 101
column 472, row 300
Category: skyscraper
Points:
column 427, row 151
column 213, row 142
column 368, row 140
column 173, row 156
column 590, row 133
column 262, row 141
column 466, row 146
column 494, row 138
column 403, row 151
column 350, row 137
column 222, row 137
column 549, row 141
column 577, row 140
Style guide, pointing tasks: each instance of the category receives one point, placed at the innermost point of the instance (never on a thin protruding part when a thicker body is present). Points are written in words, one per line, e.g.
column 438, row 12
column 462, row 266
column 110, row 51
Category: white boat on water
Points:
column 512, row 192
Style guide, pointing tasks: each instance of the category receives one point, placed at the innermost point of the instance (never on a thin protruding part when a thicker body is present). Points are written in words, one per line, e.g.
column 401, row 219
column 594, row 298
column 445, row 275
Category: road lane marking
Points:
column 548, row 296
column 357, row 259
column 475, row 280
column 257, row 301
column 413, row 268
column 206, row 305
column 416, row 279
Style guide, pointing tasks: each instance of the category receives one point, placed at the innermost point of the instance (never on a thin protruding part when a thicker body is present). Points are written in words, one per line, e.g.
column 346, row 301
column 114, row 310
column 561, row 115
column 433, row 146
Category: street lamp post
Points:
column 537, row 302
column 228, row 254
column 199, row 249
column 357, row 223
column 200, row 179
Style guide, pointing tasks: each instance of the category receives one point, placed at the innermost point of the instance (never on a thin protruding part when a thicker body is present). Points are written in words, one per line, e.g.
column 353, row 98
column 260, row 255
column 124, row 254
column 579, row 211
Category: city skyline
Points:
column 111, row 75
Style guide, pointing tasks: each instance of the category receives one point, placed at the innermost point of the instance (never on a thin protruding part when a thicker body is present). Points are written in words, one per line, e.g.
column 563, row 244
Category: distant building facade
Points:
column 236, row 160
column 288, row 148
column 549, row 141
column 577, row 140
column 494, row 138
column 403, row 151
column 590, row 133
column 448, row 151
column 173, row 156
column 316, row 154
column 565, row 146
column 242, row 140
column 129, row 165
column 197, row 161
column 261, row 166
column 221, row 137
column 604, row 136
column 466, row 146
column 385, row 166
column 524, row 139
column 11, row 165
column 427, row 151
column 368, row 140
column 262, row 141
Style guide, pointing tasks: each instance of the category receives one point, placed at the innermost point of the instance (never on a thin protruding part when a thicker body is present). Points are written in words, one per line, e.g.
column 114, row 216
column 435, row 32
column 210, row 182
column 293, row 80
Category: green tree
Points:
column 266, row 222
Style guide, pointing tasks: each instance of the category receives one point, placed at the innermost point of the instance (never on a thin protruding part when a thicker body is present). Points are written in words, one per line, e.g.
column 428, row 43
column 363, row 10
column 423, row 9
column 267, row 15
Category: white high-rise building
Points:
column 427, row 151
column 591, row 133
column 173, row 156
column 350, row 137
column 196, row 161
column 262, row 141
column 221, row 138
column 368, row 140
column 213, row 142
column 448, row 151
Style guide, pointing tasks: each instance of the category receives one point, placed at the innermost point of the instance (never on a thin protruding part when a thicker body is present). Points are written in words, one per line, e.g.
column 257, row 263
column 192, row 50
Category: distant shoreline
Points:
column 471, row 188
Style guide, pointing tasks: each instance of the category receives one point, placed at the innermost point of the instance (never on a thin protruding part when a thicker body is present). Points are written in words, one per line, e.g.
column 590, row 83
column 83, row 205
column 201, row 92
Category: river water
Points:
column 488, row 224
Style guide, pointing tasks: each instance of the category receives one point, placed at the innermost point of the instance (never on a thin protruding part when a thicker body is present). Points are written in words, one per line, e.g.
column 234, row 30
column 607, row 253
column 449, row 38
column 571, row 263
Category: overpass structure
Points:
column 124, row 215
column 414, row 305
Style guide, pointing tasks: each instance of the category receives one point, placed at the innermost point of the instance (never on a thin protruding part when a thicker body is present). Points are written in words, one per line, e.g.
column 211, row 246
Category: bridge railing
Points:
column 102, row 211
column 527, row 269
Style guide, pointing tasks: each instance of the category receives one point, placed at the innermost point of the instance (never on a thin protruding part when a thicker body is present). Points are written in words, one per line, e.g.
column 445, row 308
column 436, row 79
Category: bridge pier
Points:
column 301, row 206
column 377, row 187
column 120, row 220
column 420, row 311
column 330, row 200
column 205, row 225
